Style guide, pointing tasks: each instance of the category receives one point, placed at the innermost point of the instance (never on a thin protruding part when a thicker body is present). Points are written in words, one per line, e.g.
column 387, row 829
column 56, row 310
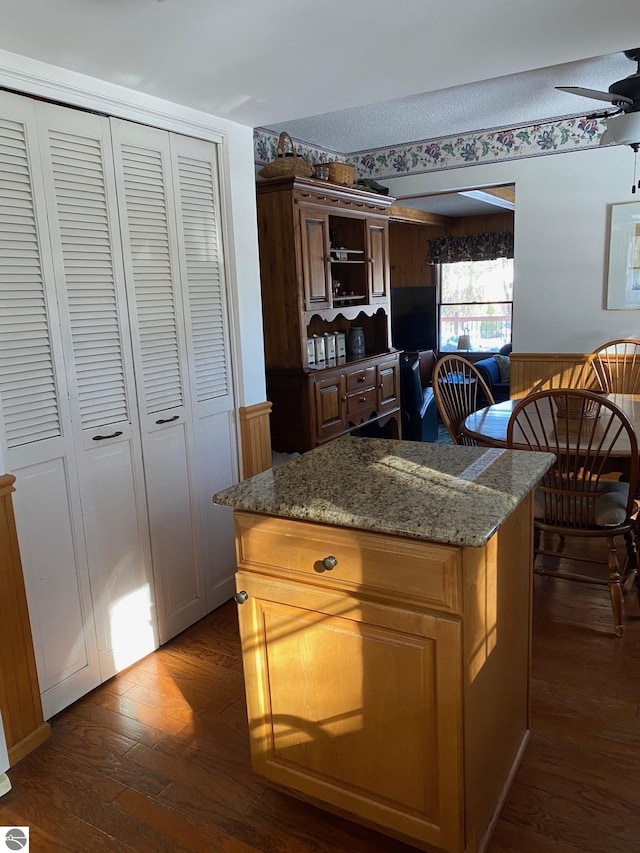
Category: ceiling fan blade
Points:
column 594, row 93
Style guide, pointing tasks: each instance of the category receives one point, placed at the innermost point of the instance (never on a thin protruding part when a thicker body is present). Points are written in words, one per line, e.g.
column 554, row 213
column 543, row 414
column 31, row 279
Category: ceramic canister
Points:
column 355, row 341
column 329, row 345
column 311, row 351
column 318, row 343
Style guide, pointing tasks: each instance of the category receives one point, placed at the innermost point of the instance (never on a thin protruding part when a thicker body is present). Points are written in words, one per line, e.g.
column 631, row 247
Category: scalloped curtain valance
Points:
column 470, row 247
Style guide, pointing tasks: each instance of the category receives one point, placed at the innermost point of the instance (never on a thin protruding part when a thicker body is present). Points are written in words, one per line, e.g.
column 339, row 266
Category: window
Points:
column 476, row 301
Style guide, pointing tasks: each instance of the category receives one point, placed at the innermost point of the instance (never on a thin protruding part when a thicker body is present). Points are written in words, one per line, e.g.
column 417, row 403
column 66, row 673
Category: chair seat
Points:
column 610, row 504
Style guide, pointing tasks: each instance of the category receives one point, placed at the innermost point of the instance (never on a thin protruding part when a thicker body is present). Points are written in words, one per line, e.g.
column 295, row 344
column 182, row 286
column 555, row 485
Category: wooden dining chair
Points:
column 459, row 390
column 579, row 496
column 616, row 365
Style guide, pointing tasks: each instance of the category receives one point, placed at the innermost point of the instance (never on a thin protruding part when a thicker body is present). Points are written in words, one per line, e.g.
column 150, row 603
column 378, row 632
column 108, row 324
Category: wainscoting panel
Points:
column 256, row 438
column 24, row 725
column 533, row 371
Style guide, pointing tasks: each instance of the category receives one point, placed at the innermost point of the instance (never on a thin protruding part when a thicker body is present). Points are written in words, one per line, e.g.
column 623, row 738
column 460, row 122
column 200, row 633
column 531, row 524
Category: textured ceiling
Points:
column 471, row 203
column 258, row 63
column 516, row 99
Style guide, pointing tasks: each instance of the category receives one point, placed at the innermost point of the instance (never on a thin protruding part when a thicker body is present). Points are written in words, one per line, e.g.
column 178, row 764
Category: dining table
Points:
column 488, row 426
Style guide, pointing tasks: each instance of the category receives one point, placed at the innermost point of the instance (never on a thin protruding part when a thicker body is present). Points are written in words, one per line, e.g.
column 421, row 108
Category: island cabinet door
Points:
column 356, row 704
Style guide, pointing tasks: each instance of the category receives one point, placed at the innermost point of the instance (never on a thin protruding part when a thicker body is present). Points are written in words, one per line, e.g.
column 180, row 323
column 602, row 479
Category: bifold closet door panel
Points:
column 80, row 190
column 204, row 296
column 150, row 252
column 36, row 423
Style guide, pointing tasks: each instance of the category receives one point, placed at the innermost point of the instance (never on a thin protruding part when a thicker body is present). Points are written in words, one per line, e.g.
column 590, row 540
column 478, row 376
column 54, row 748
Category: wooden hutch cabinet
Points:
column 324, row 261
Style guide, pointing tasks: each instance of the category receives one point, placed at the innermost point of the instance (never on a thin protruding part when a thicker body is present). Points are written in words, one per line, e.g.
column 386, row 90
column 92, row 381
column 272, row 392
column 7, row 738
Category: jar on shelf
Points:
column 355, row 341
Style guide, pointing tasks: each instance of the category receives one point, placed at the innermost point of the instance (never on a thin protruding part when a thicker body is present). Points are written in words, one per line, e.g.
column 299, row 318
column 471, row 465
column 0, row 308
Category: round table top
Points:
column 488, row 426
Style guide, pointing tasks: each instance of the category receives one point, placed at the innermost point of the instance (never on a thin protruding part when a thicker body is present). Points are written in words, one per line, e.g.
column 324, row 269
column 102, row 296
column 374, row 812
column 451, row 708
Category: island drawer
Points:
column 390, row 567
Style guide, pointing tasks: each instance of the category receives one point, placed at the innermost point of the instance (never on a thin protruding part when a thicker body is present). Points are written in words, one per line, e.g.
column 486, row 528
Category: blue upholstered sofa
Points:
column 490, row 370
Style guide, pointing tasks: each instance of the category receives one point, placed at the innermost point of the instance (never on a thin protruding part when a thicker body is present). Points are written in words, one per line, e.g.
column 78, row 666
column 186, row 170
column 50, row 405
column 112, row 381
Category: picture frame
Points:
column 623, row 278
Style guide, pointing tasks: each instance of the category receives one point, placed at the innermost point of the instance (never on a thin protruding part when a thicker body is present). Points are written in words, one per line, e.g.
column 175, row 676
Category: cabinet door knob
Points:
column 241, row 596
column 362, row 400
column 329, row 563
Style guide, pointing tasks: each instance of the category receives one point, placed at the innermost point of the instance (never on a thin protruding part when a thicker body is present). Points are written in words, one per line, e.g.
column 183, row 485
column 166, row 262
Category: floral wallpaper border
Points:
column 433, row 155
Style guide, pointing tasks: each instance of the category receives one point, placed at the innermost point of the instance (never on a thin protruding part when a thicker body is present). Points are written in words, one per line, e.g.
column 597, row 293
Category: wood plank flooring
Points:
column 157, row 759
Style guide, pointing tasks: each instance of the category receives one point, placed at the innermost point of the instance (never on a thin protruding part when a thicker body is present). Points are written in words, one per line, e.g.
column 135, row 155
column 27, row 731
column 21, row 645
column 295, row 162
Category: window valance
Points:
column 470, row 247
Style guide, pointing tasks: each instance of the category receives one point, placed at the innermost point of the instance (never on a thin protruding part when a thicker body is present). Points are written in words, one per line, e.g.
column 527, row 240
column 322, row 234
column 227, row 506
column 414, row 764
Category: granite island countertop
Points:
column 450, row 494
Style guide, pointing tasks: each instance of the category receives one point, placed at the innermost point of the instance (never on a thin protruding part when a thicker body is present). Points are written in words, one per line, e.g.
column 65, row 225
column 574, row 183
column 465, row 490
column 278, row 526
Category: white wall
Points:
column 238, row 188
column 561, row 238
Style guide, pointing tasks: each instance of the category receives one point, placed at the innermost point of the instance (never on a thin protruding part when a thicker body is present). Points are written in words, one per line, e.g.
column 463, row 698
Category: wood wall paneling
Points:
column 409, row 243
column 408, row 248
column 535, row 371
column 24, row 725
column 256, row 438
column 492, row 222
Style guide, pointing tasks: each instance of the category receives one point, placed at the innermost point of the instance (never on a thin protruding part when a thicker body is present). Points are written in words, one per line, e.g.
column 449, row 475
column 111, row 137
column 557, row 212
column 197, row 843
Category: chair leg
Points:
column 537, row 534
column 632, row 561
column 615, row 588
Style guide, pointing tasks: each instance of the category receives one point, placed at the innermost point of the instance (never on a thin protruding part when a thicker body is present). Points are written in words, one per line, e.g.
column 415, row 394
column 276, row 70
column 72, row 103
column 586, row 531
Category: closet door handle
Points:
column 168, row 420
column 103, row 437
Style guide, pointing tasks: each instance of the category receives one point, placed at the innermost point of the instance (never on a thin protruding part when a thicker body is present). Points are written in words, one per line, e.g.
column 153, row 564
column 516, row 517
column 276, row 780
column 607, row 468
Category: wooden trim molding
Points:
column 255, row 435
column 397, row 213
column 533, row 371
column 24, row 725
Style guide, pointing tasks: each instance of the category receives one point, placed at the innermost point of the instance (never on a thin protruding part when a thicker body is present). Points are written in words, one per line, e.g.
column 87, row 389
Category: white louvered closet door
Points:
column 83, row 220
column 37, row 423
column 150, row 245
column 202, row 272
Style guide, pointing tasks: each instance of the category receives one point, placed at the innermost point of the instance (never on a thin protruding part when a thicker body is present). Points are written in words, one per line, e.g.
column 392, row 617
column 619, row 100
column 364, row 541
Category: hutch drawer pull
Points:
column 361, row 378
column 103, row 437
column 329, row 563
column 168, row 420
column 241, row 596
column 362, row 400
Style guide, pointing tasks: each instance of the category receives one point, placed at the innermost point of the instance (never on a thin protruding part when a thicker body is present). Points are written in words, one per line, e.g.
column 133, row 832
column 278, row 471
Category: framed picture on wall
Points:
column 623, row 279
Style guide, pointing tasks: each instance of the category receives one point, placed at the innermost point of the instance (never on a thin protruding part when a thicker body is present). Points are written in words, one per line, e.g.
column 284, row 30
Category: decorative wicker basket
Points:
column 341, row 173
column 287, row 163
column 575, row 407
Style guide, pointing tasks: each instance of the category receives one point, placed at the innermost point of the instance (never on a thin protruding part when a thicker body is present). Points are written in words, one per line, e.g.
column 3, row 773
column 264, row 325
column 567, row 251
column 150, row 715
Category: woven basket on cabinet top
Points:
column 286, row 163
column 341, row 173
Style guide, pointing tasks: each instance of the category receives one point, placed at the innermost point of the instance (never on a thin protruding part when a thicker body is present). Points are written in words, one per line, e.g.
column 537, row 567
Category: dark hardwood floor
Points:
column 157, row 759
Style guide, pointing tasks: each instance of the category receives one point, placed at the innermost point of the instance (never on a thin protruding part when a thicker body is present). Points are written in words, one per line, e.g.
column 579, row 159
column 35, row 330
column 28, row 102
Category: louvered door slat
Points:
column 204, row 278
column 27, row 383
column 80, row 194
column 145, row 198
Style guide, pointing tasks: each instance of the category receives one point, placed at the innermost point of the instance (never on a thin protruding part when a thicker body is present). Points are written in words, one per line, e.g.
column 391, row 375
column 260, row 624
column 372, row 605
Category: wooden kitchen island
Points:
column 385, row 616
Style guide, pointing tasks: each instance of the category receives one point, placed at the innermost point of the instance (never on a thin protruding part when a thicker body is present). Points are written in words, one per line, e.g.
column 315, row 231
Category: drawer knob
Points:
column 241, row 596
column 361, row 378
column 329, row 563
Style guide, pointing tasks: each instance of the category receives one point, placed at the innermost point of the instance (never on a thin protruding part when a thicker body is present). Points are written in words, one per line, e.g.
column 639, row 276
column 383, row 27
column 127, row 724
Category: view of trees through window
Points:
column 476, row 300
